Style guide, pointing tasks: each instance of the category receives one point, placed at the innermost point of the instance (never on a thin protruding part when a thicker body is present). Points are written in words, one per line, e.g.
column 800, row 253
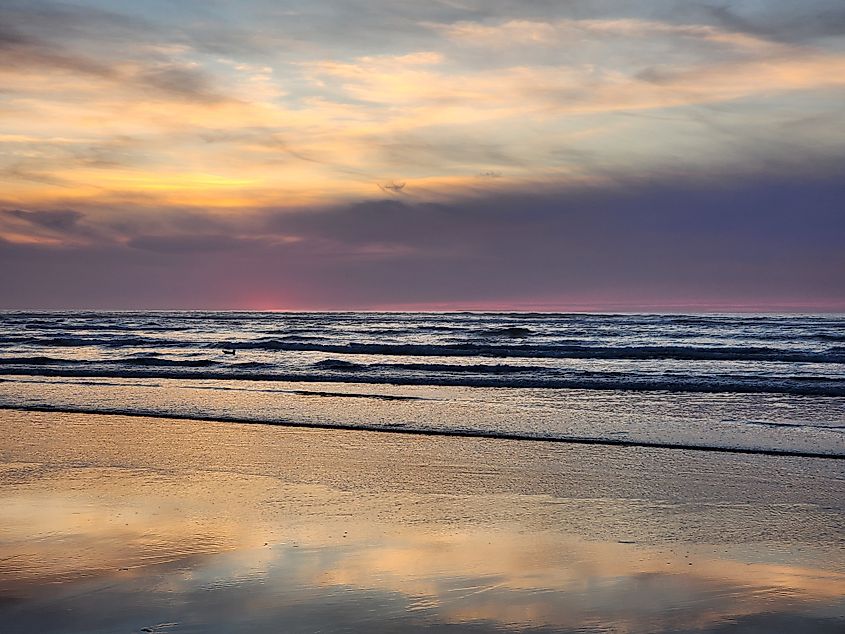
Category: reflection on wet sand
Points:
column 111, row 524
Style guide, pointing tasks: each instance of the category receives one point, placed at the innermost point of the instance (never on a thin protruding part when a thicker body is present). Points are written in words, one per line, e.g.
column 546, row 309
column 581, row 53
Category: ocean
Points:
column 770, row 383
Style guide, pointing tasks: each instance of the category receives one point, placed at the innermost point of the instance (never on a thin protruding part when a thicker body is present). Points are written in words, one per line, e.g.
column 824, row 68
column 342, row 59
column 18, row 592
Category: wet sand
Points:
column 119, row 524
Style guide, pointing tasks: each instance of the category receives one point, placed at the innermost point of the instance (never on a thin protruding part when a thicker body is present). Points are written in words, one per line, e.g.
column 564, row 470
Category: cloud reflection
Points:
column 214, row 529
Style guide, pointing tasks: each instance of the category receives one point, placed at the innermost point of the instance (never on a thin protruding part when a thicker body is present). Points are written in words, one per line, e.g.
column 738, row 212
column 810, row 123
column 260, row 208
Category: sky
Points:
column 451, row 154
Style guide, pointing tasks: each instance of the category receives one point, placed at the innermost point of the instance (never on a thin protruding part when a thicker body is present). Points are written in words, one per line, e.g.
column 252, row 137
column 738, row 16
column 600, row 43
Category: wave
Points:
column 400, row 428
column 33, row 325
column 587, row 381
column 513, row 332
column 321, row 393
column 339, row 364
column 294, row 337
column 150, row 360
column 181, row 363
column 500, row 368
column 828, row 336
column 767, row 423
column 437, row 328
column 78, row 342
column 31, row 360
column 681, row 353
column 477, row 368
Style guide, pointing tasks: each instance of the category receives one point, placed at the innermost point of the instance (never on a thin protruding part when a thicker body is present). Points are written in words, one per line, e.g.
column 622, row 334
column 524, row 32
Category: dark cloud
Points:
column 656, row 75
column 23, row 52
column 74, row 23
column 180, row 80
column 87, row 42
column 781, row 21
column 64, row 220
column 57, row 224
column 190, row 245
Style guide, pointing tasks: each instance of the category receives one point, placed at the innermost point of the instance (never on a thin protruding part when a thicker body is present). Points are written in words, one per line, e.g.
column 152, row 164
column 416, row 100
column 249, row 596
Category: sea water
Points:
column 753, row 382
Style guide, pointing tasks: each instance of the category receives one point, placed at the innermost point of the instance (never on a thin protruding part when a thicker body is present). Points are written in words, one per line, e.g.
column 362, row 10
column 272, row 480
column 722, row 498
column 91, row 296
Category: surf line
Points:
column 418, row 431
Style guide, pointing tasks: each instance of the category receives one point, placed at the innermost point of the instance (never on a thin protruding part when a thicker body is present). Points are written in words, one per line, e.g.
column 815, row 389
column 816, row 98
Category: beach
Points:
column 129, row 524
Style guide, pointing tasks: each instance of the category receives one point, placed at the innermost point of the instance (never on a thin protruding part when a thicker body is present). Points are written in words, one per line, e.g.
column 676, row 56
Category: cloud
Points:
column 68, row 44
column 189, row 245
column 64, row 220
column 22, row 52
column 440, row 93
column 182, row 80
column 784, row 21
column 392, row 187
column 570, row 33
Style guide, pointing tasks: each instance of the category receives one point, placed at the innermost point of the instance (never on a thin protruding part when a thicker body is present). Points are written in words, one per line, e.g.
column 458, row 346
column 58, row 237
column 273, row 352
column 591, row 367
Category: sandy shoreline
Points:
column 118, row 524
